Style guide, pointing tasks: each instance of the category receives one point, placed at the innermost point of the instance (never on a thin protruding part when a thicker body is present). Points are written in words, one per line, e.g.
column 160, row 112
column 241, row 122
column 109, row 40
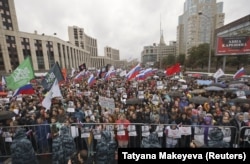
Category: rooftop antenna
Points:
column 160, row 25
column 160, row 45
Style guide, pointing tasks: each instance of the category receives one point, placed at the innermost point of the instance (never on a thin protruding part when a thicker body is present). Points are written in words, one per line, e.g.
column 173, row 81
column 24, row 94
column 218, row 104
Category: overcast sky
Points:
column 126, row 25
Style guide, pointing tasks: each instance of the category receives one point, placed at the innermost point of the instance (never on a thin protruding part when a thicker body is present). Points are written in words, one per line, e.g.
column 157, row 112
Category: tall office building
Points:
column 197, row 23
column 111, row 53
column 78, row 37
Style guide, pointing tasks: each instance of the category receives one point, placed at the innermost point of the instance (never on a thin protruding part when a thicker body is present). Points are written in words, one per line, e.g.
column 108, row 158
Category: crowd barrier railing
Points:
column 244, row 137
column 87, row 135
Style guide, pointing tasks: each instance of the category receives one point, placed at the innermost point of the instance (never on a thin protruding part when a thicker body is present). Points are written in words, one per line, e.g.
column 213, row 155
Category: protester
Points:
column 102, row 106
column 123, row 124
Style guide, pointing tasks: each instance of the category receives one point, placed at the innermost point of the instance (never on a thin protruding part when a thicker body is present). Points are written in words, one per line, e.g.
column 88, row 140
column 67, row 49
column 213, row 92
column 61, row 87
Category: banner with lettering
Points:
column 106, row 102
column 21, row 75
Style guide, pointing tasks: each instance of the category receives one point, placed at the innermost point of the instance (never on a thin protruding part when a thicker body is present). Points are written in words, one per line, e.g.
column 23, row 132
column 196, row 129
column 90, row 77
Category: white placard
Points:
column 174, row 133
column 74, row 131
column 141, row 94
column 121, row 133
column 160, row 87
column 85, row 135
column 134, row 84
column 132, row 133
column 185, row 130
column 71, row 110
column 131, row 128
column 88, row 113
column 97, row 136
column 109, row 127
column 159, row 83
column 240, row 93
column 145, row 134
column 8, row 139
column 160, row 134
column 145, row 131
column 71, row 104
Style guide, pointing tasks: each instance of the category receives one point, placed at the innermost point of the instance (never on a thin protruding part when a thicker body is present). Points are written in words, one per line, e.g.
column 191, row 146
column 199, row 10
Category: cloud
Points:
column 126, row 25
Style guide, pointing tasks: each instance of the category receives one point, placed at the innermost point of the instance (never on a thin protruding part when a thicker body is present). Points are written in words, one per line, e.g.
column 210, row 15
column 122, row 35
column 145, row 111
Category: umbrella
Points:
column 236, row 82
column 247, row 93
column 133, row 101
column 175, row 94
column 182, row 80
column 214, row 88
column 240, row 100
column 161, row 74
column 198, row 91
column 156, row 77
column 197, row 75
column 4, row 115
column 218, row 85
column 199, row 99
column 230, row 89
column 238, row 85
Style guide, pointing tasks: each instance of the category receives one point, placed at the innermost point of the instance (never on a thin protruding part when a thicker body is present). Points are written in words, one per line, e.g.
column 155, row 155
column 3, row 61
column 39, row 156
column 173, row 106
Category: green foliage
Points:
column 198, row 56
column 181, row 59
column 168, row 60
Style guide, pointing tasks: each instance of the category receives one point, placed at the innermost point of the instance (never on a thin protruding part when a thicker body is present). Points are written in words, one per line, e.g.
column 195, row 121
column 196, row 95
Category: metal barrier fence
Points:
column 86, row 136
column 244, row 137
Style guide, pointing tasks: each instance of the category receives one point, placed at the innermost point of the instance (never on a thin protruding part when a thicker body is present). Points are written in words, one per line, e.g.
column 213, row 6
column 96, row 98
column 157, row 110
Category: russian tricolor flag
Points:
column 110, row 74
column 133, row 72
column 79, row 76
column 239, row 73
column 91, row 80
column 25, row 90
column 140, row 76
column 148, row 72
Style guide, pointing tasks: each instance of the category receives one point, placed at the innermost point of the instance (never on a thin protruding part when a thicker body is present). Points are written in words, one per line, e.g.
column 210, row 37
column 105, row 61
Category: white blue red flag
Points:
column 239, row 73
column 91, row 80
column 133, row 72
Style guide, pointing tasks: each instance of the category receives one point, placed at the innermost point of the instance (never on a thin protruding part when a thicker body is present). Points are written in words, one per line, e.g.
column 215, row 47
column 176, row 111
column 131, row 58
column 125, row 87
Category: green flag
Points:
column 21, row 75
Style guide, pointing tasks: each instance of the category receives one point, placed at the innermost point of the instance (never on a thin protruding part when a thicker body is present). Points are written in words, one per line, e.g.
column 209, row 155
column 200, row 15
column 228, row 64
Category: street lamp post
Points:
column 210, row 40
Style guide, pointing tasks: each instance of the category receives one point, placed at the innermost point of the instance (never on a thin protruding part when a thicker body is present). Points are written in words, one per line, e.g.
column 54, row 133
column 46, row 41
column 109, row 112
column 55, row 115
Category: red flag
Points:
column 173, row 69
column 64, row 72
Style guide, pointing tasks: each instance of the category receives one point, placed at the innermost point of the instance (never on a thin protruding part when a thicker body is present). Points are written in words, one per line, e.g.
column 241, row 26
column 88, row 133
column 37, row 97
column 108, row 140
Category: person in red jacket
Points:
column 122, row 133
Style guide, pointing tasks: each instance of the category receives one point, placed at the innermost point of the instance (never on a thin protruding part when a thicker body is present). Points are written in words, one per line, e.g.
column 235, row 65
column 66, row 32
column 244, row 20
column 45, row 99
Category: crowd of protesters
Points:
column 46, row 128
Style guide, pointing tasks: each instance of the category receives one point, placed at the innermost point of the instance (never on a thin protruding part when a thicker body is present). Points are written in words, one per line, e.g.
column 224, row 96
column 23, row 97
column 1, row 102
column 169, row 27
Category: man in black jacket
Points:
column 236, row 135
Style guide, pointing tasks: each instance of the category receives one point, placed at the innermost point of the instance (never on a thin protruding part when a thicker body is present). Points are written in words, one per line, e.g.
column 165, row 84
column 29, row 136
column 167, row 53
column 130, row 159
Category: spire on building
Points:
column 162, row 42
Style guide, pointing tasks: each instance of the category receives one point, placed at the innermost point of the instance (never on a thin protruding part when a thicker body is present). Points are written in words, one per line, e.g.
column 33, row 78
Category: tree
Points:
column 198, row 56
column 168, row 60
column 181, row 59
